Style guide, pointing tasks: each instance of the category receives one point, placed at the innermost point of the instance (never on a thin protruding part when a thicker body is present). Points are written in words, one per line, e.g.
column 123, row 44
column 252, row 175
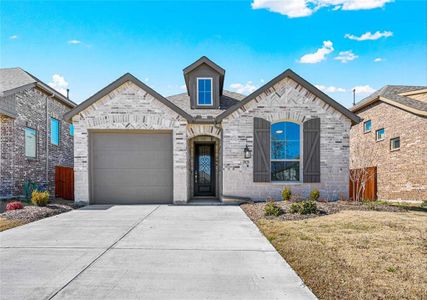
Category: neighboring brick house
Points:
column 393, row 137
column 132, row 145
column 31, row 129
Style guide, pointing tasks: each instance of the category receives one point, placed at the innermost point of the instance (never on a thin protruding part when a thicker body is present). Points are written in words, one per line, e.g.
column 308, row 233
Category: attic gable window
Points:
column 204, row 91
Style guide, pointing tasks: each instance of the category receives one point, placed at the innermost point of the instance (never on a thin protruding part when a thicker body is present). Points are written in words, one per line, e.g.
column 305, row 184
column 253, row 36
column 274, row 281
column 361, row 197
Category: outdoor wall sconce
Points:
column 247, row 152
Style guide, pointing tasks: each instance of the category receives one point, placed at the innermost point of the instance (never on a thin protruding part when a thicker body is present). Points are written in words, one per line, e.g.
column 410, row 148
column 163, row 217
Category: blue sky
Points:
column 86, row 45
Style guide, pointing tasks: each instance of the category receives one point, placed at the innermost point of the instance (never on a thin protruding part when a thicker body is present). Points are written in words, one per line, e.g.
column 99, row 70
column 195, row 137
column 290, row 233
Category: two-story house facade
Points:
column 392, row 136
column 34, row 138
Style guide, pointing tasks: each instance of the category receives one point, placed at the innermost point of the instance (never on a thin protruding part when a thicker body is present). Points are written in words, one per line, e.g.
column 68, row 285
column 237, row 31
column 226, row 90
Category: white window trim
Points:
column 197, row 92
column 376, row 135
column 366, row 131
column 300, row 160
column 394, row 149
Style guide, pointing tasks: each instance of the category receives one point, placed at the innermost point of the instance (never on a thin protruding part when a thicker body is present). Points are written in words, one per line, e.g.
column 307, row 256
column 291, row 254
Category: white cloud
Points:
column 363, row 89
column 346, row 56
column 74, row 42
column 378, row 59
column 59, row 84
column 330, row 89
column 304, row 8
column 368, row 36
column 319, row 55
column 183, row 87
column 13, row 37
column 245, row 89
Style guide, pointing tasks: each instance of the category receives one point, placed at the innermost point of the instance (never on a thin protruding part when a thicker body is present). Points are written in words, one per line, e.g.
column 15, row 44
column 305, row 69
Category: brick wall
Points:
column 402, row 174
column 287, row 100
column 31, row 111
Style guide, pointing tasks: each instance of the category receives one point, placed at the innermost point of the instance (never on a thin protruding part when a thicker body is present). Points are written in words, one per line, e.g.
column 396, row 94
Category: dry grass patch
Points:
column 7, row 224
column 356, row 254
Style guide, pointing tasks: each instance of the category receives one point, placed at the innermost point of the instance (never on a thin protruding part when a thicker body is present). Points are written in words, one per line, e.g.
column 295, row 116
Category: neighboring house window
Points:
column 71, row 129
column 204, row 91
column 380, row 134
column 395, row 143
column 54, row 131
column 30, row 142
column 285, row 151
column 367, row 126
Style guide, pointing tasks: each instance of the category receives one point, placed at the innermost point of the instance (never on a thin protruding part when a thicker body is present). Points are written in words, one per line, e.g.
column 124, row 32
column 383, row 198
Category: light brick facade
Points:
column 286, row 101
column 15, row 167
column 129, row 107
column 402, row 174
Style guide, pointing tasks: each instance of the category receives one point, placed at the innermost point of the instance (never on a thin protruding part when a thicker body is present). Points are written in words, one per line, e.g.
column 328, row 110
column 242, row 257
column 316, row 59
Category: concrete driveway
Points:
column 145, row 252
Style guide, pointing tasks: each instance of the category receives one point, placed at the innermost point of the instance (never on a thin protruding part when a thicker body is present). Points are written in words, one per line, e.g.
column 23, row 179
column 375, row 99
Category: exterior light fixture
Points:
column 247, row 152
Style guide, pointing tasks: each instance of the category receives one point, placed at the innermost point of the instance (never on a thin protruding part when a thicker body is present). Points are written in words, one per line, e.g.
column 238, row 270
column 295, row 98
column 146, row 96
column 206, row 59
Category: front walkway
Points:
column 145, row 252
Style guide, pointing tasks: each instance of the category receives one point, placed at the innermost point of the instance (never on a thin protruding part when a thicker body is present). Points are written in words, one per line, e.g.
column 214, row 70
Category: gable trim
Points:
column 391, row 102
column 114, row 85
column 308, row 86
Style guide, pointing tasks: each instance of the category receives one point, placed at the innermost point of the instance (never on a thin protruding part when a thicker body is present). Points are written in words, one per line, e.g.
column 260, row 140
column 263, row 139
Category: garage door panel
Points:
column 140, row 142
column 131, row 167
column 133, row 177
column 131, row 159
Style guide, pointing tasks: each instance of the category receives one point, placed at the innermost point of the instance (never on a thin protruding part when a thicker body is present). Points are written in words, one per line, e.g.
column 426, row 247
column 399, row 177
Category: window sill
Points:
column 393, row 150
column 367, row 131
column 287, row 182
column 379, row 140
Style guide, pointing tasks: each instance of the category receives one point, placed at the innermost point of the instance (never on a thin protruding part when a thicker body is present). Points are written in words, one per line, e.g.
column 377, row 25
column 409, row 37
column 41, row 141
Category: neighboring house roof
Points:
column 308, row 86
column 13, row 80
column 397, row 95
column 114, row 85
column 211, row 64
column 227, row 100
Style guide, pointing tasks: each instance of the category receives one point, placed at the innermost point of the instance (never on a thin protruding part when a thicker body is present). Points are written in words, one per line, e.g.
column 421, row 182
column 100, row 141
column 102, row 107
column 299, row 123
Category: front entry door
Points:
column 204, row 170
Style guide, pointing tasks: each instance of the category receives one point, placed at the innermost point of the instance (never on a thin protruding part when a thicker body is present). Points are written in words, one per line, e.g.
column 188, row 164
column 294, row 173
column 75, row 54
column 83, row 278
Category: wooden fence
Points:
column 64, row 182
column 369, row 177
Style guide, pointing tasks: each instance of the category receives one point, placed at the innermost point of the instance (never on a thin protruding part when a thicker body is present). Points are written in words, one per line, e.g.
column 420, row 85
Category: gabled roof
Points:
column 397, row 95
column 295, row 77
column 13, row 80
column 115, row 84
column 204, row 60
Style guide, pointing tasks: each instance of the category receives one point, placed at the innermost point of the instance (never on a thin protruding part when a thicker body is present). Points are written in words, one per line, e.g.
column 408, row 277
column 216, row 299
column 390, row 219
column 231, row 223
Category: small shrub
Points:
column 14, row 205
column 304, row 207
column 286, row 194
column 271, row 209
column 314, row 194
column 424, row 204
column 40, row 198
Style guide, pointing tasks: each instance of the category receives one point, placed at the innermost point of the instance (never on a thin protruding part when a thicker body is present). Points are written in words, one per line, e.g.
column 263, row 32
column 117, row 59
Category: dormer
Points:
column 205, row 81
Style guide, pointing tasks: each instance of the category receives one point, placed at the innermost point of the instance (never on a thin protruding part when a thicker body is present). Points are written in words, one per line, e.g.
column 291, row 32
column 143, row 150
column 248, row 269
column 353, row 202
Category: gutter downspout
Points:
column 47, row 139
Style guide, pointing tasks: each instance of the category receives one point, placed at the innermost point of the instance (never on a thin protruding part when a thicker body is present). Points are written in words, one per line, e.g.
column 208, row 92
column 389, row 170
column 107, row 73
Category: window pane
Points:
column 54, row 131
column 380, row 134
column 30, row 142
column 292, row 131
column 278, row 131
column 278, row 149
column 395, row 143
column 367, row 125
column 71, row 129
column 207, row 85
column 208, row 98
column 292, row 150
column 284, row 171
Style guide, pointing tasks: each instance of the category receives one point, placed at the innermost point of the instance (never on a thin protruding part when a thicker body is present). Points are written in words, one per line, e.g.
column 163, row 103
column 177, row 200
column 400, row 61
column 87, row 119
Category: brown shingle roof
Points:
column 392, row 93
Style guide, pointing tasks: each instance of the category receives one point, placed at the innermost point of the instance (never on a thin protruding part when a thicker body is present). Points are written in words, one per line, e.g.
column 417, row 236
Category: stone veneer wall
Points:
column 31, row 111
column 129, row 107
column 401, row 174
column 287, row 100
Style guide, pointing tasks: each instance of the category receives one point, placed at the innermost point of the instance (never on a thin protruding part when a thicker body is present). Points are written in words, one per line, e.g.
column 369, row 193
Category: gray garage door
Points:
column 131, row 167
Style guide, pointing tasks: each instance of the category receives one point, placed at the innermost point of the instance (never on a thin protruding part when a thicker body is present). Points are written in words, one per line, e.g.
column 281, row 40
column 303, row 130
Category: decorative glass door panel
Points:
column 204, row 170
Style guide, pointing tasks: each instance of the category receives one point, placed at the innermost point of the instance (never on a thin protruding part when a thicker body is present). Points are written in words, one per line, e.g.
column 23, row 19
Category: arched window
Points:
column 285, row 151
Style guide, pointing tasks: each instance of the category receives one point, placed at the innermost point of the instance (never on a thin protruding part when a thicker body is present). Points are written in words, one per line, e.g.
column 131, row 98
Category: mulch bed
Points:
column 32, row 213
column 255, row 211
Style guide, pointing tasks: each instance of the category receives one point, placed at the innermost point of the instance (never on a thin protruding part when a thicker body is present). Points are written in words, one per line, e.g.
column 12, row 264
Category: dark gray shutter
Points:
column 311, row 150
column 261, row 150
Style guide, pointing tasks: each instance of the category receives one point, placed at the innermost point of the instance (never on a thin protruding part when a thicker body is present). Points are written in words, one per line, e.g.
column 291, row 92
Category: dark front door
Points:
column 204, row 170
